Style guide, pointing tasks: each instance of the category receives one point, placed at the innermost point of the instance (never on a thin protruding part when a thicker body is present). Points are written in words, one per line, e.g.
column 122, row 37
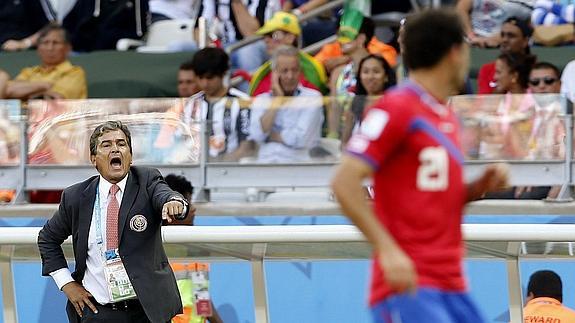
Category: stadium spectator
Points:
column 227, row 109
column 512, row 73
column 342, row 79
column 544, row 78
column 187, row 80
column 515, row 34
column 484, row 19
column 283, row 29
column 286, row 121
column 409, row 170
column 374, row 76
column 544, row 299
column 546, row 140
column 55, row 77
column 331, row 55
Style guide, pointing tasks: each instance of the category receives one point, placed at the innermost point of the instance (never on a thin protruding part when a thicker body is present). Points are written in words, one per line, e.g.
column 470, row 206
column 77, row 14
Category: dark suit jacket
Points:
column 142, row 252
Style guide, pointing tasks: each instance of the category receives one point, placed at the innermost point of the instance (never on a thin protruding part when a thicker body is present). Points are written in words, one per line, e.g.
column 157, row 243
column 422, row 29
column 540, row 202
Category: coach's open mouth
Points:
column 116, row 163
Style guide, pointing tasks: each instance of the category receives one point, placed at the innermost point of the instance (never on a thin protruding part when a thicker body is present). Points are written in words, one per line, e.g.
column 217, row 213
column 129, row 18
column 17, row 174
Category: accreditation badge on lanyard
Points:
column 119, row 285
column 117, row 280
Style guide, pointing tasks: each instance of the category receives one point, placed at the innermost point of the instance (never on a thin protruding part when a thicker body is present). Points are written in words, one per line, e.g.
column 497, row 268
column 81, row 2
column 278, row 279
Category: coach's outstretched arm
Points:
column 398, row 268
column 494, row 178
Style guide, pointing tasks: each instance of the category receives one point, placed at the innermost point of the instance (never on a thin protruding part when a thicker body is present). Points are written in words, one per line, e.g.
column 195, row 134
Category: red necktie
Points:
column 112, row 219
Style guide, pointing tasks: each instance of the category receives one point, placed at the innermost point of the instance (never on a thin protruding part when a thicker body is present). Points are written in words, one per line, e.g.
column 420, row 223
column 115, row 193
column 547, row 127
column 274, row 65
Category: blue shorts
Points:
column 427, row 305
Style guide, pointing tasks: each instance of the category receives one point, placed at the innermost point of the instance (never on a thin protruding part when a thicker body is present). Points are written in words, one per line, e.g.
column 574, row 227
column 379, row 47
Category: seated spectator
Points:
column 342, row 79
column 374, row 76
column 484, row 19
column 515, row 36
column 568, row 81
column 512, row 73
column 546, row 134
column 55, row 77
column 181, row 185
column 331, row 55
column 544, row 299
column 286, row 121
column 187, row 80
column 284, row 29
column 226, row 109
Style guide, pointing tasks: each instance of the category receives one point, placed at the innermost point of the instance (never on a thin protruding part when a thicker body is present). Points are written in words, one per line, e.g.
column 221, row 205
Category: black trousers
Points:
column 124, row 312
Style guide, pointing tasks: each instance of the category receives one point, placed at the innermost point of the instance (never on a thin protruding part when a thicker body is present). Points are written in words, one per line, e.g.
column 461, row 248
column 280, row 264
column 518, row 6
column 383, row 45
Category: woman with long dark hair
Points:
column 374, row 76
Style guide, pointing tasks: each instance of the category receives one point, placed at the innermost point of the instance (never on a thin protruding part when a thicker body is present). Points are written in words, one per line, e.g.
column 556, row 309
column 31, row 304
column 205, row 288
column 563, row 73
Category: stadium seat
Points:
column 164, row 36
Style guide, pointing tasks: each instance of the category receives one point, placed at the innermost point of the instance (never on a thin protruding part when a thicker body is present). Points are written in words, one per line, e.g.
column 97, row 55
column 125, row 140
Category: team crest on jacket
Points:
column 138, row 223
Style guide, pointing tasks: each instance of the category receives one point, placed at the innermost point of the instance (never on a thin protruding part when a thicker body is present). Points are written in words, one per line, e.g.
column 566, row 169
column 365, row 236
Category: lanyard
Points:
column 98, row 213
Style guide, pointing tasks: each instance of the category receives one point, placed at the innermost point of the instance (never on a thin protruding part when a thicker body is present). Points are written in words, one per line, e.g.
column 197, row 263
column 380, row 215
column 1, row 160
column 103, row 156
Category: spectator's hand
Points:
column 13, row 45
column 79, row 297
column 171, row 209
column 276, row 87
column 398, row 269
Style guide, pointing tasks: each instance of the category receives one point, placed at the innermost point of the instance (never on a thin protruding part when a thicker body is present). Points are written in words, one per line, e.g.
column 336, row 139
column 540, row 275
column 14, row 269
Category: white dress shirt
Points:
column 94, row 279
column 298, row 122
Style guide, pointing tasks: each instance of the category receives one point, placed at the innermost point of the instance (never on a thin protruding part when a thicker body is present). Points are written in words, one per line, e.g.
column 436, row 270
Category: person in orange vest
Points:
column 183, row 271
column 544, row 300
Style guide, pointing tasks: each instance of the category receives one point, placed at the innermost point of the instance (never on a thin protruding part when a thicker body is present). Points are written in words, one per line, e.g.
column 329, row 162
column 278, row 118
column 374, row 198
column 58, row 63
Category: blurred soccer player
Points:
column 409, row 144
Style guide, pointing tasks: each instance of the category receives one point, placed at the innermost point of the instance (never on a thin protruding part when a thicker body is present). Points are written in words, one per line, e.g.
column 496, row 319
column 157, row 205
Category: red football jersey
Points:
column 412, row 142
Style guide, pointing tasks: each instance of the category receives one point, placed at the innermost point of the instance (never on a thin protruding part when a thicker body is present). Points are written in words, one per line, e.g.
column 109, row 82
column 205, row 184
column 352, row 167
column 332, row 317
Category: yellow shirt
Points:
column 547, row 310
column 68, row 80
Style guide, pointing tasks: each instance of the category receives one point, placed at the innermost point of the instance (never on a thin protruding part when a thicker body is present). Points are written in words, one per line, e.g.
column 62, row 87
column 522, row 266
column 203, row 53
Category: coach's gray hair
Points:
column 283, row 50
column 106, row 127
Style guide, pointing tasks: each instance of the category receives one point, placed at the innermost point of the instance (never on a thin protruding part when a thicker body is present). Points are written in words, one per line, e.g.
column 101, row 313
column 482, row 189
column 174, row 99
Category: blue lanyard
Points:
column 98, row 213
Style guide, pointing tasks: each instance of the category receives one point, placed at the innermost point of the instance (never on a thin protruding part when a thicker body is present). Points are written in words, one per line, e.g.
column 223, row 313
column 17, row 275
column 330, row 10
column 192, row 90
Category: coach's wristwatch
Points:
column 186, row 205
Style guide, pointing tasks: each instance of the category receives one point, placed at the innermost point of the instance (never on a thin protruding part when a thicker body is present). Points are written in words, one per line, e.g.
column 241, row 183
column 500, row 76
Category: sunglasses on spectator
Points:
column 546, row 80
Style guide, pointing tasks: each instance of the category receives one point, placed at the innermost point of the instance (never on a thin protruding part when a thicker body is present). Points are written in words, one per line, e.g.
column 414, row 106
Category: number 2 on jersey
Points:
column 432, row 174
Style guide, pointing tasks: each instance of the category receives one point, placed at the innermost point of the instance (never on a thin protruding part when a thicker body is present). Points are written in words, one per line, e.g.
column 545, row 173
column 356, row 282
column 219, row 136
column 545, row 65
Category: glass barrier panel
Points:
column 511, row 126
column 267, row 129
column 10, row 133
column 164, row 131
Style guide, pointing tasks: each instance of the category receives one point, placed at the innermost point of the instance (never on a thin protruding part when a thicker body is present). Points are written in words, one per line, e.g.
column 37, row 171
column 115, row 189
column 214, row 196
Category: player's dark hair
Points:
column 429, row 36
column 210, row 61
column 546, row 283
